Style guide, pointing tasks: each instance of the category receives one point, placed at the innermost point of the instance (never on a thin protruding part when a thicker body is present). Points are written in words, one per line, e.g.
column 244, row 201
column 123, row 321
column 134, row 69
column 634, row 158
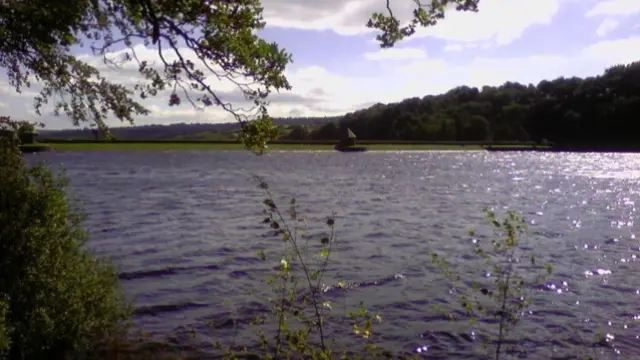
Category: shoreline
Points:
column 274, row 146
column 317, row 147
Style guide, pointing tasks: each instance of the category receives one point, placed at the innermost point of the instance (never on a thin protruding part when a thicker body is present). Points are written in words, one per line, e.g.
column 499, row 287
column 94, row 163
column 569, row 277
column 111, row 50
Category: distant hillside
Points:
column 181, row 131
column 601, row 109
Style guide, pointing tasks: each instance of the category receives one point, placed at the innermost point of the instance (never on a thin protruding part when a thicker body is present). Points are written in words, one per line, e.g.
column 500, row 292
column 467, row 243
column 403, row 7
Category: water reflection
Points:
column 184, row 228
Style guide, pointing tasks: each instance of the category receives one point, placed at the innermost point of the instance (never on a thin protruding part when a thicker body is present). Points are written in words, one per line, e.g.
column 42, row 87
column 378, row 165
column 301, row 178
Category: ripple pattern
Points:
column 184, row 226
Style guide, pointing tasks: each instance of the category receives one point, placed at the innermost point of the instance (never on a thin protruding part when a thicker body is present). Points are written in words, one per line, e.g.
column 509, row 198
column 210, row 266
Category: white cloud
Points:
column 127, row 71
column 592, row 60
column 343, row 93
column 419, row 77
column 306, row 98
column 613, row 51
column 615, row 7
column 396, row 53
column 453, row 48
column 607, row 26
column 499, row 21
column 320, row 92
column 346, row 17
column 457, row 46
column 432, row 76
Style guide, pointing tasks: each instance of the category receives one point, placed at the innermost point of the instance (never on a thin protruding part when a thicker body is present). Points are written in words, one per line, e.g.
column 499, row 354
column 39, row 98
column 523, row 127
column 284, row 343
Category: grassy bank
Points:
column 84, row 145
column 88, row 146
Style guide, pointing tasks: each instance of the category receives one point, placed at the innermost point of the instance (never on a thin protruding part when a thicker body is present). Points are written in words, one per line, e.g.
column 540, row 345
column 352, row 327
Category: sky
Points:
column 338, row 67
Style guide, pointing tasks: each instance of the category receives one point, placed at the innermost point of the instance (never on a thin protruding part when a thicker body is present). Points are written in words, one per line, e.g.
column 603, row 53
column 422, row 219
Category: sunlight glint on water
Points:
column 184, row 227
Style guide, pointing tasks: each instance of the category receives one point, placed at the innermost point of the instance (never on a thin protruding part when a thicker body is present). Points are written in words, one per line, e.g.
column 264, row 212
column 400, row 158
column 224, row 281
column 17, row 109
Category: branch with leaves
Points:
column 205, row 39
column 426, row 13
column 508, row 295
column 195, row 41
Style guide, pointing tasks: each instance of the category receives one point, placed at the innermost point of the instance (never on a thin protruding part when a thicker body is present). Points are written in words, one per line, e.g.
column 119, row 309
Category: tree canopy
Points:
column 592, row 110
column 425, row 13
column 39, row 36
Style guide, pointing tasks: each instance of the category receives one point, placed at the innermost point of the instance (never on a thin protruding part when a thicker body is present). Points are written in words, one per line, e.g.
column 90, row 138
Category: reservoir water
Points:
column 183, row 228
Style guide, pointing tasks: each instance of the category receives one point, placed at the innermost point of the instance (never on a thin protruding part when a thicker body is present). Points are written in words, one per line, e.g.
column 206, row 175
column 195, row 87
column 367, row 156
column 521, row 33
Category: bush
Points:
column 300, row 313
column 55, row 298
column 505, row 294
column 4, row 338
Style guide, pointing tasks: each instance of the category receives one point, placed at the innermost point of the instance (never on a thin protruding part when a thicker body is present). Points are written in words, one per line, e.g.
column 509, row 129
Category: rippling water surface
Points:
column 184, row 227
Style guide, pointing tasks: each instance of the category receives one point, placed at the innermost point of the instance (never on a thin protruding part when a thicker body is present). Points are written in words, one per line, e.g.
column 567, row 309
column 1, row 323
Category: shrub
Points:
column 505, row 294
column 300, row 315
column 4, row 338
column 55, row 298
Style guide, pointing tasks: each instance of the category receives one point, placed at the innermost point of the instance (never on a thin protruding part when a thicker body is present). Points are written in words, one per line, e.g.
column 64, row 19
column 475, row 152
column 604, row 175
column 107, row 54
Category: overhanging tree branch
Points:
column 424, row 14
column 220, row 33
column 38, row 35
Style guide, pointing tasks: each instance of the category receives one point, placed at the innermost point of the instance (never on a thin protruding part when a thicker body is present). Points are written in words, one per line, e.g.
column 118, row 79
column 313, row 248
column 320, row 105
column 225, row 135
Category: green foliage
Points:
column 256, row 134
column 290, row 301
column 38, row 36
column 594, row 110
column 13, row 130
column 5, row 342
column 297, row 132
column 55, row 298
column 424, row 14
column 299, row 311
column 503, row 292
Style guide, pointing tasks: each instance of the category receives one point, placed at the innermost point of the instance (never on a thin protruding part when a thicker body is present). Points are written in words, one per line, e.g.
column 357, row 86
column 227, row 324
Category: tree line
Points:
column 592, row 110
column 597, row 109
column 289, row 128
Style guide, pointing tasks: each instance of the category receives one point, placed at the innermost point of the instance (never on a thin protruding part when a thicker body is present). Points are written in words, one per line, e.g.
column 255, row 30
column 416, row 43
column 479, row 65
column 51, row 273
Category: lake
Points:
column 184, row 226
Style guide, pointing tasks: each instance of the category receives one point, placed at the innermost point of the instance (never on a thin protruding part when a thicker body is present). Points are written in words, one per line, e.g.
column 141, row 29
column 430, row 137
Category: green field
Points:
column 230, row 146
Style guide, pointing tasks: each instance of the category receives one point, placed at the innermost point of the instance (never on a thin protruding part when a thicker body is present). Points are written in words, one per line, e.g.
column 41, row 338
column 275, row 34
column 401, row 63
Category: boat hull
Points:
column 351, row 149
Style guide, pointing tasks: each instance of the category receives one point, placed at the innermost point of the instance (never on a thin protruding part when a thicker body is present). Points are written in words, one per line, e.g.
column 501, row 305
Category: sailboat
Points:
column 348, row 143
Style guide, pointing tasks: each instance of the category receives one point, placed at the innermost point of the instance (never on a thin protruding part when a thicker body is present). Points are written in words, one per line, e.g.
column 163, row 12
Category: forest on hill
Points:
column 182, row 131
column 598, row 109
